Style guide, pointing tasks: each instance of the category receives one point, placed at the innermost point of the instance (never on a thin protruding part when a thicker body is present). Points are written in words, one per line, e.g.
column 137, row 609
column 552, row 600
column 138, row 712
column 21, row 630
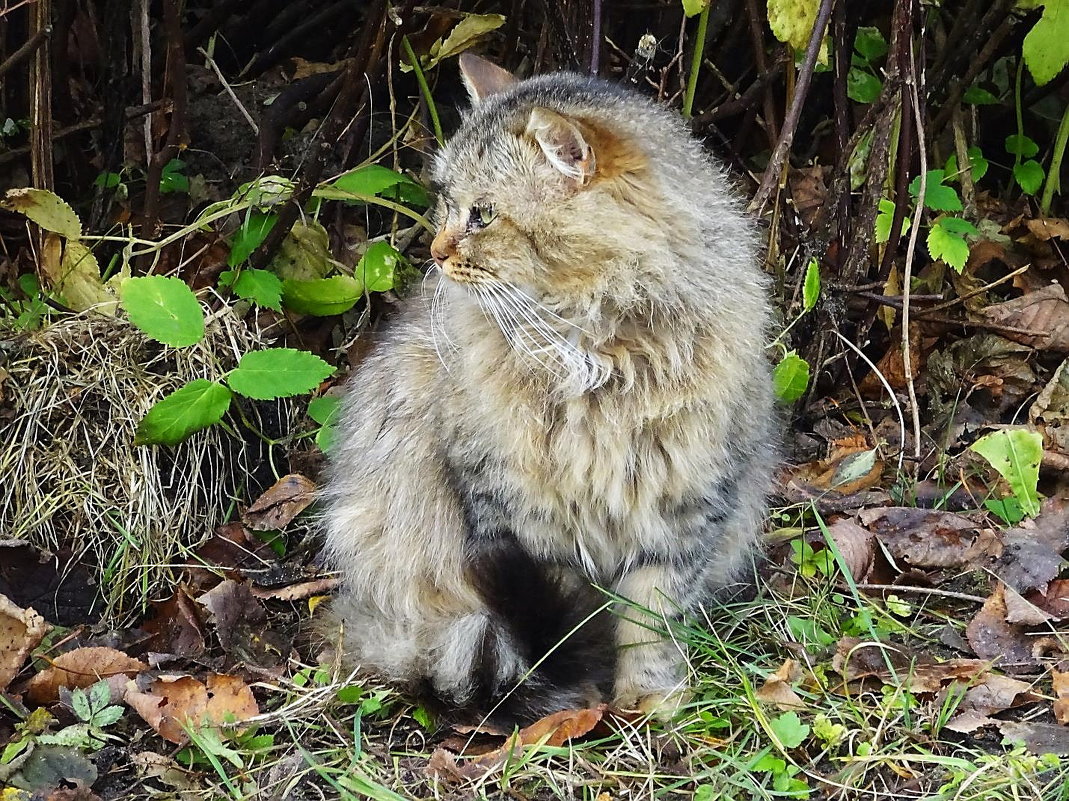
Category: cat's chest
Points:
column 588, row 480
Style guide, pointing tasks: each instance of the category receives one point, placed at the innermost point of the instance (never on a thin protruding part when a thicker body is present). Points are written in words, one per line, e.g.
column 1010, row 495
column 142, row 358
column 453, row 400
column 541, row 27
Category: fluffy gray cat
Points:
column 580, row 399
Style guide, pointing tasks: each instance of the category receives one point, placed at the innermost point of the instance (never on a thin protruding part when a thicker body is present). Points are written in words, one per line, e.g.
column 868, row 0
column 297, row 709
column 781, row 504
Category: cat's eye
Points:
column 480, row 216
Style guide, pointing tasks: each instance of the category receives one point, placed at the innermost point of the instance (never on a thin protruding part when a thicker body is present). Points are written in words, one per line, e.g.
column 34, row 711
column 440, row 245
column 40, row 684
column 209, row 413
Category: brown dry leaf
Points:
column 297, row 592
column 1060, row 680
column 1039, row 738
column 927, row 538
column 991, row 637
column 171, row 701
column 1047, row 228
column 231, row 547
column 287, row 498
column 241, row 623
column 80, row 668
column 176, row 627
column 851, row 467
column 777, row 687
column 1044, row 314
column 808, row 191
column 855, row 659
column 1054, row 600
column 21, row 630
column 892, row 365
column 1021, row 611
column 1049, row 414
column 1031, row 555
column 857, row 546
column 993, row 694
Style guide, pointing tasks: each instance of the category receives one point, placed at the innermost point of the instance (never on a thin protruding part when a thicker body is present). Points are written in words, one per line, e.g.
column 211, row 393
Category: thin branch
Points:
column 805, row 77
column 26, row 50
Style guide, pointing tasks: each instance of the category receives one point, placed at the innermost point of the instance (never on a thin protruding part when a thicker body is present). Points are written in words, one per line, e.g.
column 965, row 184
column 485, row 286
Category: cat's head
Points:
column 541, row 188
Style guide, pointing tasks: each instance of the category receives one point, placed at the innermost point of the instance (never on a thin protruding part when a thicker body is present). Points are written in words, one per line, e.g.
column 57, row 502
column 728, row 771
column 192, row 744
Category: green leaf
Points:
column 262, row 287
column 956, row 225
column 946, row 245
column 1029, row 176
column 172, row 179
column 197, row 405
column 463, row 36
column 377, row 266
column 46, row 209
column 792, row 22
column 977, row 161
column 1015, row 454
column 1046, row 46
column 862, row 86
column 1008, row 509
column 107, row 180
column 250, row 235
column 885, row 219
column 278, row 373
column 322, row 297
column 324, row 409
column 790, row 377
column 937, row 196
column 789, row 729
column 374, row 179
column 1021, row 145
column 694, row 7
column 869, row 42
column 164, row 308
column 977, row 96
column 107, row 716
column 811, row 286
column 80, row 703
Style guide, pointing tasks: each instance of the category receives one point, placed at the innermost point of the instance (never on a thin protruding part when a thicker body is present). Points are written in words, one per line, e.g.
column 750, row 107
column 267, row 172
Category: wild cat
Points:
column 578, row 409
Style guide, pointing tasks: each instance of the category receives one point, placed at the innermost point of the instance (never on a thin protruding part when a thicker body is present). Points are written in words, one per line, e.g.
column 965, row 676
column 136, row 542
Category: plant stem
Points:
column 1053, row 183
column 424, row 89
column 696, row 61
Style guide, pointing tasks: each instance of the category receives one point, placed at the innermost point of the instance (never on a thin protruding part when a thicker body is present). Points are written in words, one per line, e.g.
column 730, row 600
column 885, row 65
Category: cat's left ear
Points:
column 563, row 144
column 483, row 78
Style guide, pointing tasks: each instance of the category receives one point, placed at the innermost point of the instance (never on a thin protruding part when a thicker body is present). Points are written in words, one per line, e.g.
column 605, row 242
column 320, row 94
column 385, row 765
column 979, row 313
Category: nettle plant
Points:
column 301, row 278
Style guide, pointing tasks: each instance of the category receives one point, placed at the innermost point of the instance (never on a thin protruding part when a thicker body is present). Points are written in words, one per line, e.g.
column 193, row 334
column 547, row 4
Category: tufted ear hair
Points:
column 562, row 143
column 482, row 77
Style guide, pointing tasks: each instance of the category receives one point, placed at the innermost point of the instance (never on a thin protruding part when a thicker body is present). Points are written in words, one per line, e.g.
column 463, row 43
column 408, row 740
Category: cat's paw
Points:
column 660, row 704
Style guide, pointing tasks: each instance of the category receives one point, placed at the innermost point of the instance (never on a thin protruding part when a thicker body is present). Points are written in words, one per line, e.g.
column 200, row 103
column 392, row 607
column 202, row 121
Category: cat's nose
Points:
column 442, row 247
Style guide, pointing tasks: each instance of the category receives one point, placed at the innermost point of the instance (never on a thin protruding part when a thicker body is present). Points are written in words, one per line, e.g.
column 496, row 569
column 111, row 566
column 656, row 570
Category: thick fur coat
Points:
column 580, row 397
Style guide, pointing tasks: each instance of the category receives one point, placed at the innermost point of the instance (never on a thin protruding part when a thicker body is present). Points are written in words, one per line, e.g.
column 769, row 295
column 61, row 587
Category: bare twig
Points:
column 911, row 85
column 226, row 86
column 790, row 123
column 26, row 50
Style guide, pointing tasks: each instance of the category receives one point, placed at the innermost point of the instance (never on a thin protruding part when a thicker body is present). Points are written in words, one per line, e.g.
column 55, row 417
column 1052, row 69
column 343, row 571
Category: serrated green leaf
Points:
column 978, row 96
column 937, row 196
column 107, row 716
column 378, row 266
column 1029, row 176
column 278, row 373
column 947, row 246
column 956, row 225
column 324, row 410
column 789, row 729
column 80, row 704
column 811, row 286
column 1046, row 47
column 262, row 287
column 1021, row 145
column 322, row 297
column 46, row 209
column 99, row 695
column 979, row 165
column 1015, row 454
column 197, row 405
column 885, row 219
column 862, row 86
column 792, row 22
column 790, row 378
column 164, row 308
column 374, row 179
column 253, row 231
column 266, row 191
column 870, row 43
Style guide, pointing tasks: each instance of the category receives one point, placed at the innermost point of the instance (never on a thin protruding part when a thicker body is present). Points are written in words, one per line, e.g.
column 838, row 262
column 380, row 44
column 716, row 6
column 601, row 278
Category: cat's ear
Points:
column 483, row 78
column 562, row 143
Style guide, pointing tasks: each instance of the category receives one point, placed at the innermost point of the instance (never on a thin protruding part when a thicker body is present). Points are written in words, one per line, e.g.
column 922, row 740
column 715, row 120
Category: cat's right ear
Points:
column 482, row 77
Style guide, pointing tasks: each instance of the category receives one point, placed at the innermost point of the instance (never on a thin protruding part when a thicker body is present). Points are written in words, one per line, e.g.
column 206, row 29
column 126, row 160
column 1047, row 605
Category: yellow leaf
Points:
column 46, row 209
column 792, row 22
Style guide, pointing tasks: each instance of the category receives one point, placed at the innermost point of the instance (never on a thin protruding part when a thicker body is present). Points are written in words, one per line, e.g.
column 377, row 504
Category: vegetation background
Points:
column 210, row 206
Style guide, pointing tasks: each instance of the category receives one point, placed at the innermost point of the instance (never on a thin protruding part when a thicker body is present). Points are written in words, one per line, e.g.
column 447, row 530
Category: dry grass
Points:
column 74, row 394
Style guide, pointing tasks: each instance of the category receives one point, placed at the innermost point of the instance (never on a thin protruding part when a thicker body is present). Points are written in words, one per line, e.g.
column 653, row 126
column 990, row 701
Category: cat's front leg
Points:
column 651, row 668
